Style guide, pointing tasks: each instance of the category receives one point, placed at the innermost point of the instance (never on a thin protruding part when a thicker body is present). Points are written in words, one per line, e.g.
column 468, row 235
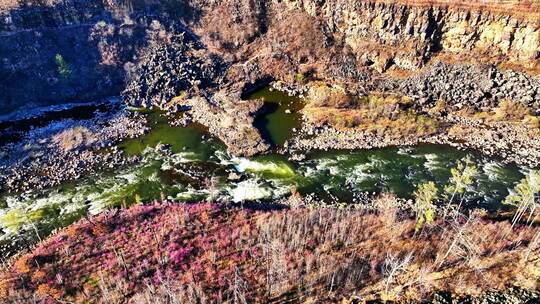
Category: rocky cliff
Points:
column 70, row 50
column 409, row 33
column 57, row 51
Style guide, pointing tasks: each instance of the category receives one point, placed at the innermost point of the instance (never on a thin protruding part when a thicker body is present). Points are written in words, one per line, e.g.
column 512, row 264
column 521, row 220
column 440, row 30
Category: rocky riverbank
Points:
column 68, row 149
column 464, row 85
column 497, row 128
column 508, row 142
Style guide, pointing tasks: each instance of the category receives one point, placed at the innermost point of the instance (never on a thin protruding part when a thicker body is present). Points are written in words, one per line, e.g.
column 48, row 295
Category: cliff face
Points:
column 69, row 51
column 409, row 33
column 58, row 51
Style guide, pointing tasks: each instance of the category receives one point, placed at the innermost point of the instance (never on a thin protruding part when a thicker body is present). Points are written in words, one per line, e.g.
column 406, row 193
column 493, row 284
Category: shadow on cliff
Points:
column 76, row 50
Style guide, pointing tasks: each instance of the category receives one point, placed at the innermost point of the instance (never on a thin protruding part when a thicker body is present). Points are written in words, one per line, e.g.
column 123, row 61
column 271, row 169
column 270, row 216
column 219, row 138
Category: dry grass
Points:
column 322, row 95
column 377, row 114
column 508, row 111
column 294, row 44
column 228, row 27
column 513, row 111
column 74, row 138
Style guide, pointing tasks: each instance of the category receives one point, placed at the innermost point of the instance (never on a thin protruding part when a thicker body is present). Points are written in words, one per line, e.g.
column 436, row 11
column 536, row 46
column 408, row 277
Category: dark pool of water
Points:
column 11, row 130
column 281, row 115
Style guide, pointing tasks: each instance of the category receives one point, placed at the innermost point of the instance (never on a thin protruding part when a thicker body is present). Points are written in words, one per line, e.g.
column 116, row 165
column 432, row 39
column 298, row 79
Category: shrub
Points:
column 63, row 68
column 383, row 115
column 423, row 204
column 326, row 96
column 509, row 110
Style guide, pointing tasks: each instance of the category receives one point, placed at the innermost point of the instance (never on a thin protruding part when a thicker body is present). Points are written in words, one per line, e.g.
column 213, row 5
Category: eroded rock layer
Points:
column 57, row 51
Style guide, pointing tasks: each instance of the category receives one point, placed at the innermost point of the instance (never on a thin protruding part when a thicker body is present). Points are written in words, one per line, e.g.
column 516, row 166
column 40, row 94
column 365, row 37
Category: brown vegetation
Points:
column 228, row 27
column 512, row 111
column 74, row 138
column 384, row 115
column 508, row 111
column 205, row 254
column 294, row 44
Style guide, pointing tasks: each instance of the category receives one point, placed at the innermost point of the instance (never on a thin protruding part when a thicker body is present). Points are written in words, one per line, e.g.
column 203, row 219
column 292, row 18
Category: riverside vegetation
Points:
column 202, row 253
column 432, row 220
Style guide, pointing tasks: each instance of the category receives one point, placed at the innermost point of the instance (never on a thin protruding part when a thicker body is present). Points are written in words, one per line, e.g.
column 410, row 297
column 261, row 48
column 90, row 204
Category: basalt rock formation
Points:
column 52, row 52
column 409, row 33
column 99, row 40
column 168, row 68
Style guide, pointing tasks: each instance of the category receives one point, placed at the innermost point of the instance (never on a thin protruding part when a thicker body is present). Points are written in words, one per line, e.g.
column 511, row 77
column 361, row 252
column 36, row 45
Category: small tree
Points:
column 63, row 67
column 237, row 290
column 524, row 196
column 462, row 178
column 423, row 206
column 212, row 184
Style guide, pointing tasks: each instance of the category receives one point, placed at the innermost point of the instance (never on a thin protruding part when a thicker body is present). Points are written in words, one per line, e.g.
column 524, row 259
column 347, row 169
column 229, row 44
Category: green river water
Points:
column 199, row 168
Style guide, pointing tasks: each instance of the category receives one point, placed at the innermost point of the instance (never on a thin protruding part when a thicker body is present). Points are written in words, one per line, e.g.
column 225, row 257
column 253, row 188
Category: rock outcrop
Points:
column 459, row 85
column 68, row 51
column 409, row 33
column 169, row 68
column 230, row 119
column 468, row 54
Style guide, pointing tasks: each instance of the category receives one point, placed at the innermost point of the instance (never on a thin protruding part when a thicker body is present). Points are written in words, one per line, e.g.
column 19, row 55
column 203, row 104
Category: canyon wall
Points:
column 70, row 51
column 59, row 51
column 409, row 33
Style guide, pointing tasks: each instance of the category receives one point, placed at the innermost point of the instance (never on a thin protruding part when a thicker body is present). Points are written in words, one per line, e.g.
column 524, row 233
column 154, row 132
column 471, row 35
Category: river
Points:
column 197, row 167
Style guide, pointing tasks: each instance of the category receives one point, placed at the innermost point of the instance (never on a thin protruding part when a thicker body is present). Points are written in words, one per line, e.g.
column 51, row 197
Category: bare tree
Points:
column 393, row 265
column 524, row 196
column 463, row 243
column 237, row 288
column 462, row 178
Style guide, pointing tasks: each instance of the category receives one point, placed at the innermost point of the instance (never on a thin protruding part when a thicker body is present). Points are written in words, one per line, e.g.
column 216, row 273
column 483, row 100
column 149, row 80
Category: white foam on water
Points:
column 224, row 157
column 494, row 171
column 377, row 162
column 307, row 171
column 281, row 189
column 278, row 169
column 179, row 158
column 21, row 209
column 361, row 173
column 329, row 164
column 432, row 162
column 192, row 194
column 249, row 190
column 113, row 189
column 406, row 151
column 128, row 177
column 72, row 208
